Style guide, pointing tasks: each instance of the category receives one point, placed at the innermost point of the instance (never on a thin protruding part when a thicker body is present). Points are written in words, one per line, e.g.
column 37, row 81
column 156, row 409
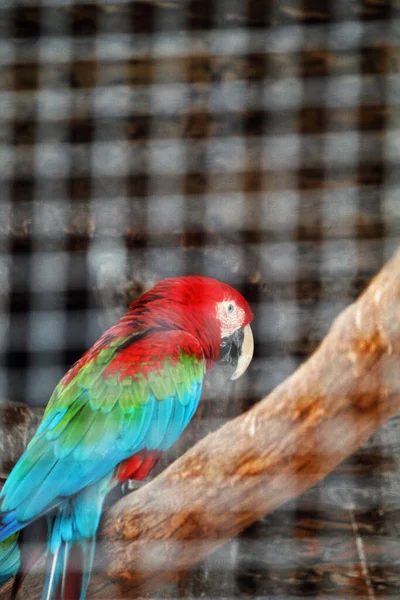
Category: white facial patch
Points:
column 230, row 317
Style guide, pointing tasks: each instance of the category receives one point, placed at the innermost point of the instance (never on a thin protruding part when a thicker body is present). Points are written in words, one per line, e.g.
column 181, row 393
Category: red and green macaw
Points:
column 126, row 400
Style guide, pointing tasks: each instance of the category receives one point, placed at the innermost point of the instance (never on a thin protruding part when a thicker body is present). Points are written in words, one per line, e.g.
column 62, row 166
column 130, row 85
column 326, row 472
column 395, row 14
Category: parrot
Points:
column 124, row 402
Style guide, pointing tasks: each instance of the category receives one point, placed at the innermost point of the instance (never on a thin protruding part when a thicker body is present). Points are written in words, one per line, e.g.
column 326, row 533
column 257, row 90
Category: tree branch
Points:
column 256, row 462
column 18, row 423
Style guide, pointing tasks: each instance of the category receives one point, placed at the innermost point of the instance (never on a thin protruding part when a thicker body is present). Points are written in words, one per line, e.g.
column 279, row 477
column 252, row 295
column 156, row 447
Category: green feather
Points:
column 93, row 435
column 158, row 386
column 75, row 406
column 140, row 391
column 72, row 436
column 89, row 374
column 105, row 356
column 111, row 397
column 125, row 400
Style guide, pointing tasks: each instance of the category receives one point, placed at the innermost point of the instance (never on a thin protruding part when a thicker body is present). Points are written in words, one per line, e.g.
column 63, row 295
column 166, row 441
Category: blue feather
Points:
column 160, row 423
column 9, row 559
column 11, row 527
column 69, row 464
column 135, row 444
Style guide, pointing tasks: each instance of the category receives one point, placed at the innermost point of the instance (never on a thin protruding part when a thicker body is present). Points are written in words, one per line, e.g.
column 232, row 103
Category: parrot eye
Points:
column 230, row 308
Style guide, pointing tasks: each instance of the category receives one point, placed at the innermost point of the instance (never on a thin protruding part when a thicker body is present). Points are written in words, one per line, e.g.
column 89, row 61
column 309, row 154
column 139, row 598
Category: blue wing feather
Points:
column 58, row 463
column 9, row 559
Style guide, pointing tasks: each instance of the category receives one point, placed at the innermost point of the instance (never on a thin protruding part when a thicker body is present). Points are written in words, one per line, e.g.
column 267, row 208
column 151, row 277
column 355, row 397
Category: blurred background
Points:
column 252, row 141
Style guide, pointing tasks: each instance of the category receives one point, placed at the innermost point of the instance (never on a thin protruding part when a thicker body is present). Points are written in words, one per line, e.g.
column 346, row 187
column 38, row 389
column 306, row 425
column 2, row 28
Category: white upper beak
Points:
column 246, row 353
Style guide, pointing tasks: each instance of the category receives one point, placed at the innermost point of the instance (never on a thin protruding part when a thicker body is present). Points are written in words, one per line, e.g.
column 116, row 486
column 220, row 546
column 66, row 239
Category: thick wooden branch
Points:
column 282, row 446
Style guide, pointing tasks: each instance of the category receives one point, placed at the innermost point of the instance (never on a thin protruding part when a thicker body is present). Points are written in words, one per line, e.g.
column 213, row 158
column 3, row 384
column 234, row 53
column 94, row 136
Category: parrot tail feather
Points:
column 67, row 551
column 88, row 547
column 54, row 565
column 68, row 570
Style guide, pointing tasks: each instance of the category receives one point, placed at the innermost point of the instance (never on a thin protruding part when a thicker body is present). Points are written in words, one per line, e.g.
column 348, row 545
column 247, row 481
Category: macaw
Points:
column 119, row 406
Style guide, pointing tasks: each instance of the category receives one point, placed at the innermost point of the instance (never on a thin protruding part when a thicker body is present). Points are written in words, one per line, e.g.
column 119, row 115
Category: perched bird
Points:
column 126, row 400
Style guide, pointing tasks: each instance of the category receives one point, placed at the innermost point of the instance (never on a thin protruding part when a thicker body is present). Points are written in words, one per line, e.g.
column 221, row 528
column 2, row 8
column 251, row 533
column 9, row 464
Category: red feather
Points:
column 148, row 354
column 138, row 466
column 181, row 303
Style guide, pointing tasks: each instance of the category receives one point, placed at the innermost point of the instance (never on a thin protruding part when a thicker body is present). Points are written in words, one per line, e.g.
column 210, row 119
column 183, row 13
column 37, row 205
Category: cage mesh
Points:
column 255, row 142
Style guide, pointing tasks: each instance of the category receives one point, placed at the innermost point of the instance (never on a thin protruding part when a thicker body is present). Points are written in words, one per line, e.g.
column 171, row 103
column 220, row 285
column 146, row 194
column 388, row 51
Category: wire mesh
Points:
column 255, row 142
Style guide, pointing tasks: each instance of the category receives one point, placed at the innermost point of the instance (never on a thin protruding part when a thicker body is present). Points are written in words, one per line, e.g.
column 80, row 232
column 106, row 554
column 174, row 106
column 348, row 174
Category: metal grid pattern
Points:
column 253, row 142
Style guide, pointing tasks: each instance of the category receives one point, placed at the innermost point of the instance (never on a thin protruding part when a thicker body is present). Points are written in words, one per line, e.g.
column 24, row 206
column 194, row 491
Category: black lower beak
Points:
column 230, row 349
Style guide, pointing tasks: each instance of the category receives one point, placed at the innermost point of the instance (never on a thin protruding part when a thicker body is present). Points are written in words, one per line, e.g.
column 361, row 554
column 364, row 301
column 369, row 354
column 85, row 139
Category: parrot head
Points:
column 212, row 311
column 237, row 345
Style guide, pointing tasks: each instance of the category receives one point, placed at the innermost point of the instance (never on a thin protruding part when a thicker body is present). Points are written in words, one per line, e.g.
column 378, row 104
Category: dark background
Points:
column 256, row 142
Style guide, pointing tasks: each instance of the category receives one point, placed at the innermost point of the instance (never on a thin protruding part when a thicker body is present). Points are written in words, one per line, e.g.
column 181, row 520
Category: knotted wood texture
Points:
column 256, row 462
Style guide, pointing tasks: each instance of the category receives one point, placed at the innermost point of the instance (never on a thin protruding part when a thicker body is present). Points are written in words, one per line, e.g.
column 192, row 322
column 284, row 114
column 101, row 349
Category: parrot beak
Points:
column 237, row 351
